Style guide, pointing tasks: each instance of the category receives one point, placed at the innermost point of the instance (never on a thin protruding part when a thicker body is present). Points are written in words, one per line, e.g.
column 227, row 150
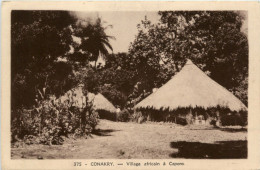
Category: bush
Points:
column 50, row 121
column 135, row 116
column 213, row 122
column 181, row 121
column 123, row 116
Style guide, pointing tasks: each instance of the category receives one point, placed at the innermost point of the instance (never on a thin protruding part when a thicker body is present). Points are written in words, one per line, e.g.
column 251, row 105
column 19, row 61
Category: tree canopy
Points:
column 45, row 56
column 40, row 40
column 213, row 40
column 94, row 39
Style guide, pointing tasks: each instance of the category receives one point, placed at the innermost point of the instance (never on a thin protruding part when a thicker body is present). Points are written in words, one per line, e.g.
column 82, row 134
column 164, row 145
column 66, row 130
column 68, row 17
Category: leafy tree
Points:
column 148, row 57
column 114, row 80
column 38, row 39
column 38, row 36
column 211, row 39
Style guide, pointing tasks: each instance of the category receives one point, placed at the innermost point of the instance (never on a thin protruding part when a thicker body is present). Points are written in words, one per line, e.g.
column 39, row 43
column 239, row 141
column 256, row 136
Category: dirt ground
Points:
column 119, row 140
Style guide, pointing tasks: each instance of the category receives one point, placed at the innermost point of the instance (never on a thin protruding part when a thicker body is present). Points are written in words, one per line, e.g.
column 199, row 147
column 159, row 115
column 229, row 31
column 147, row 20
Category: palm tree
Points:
column 95, row 40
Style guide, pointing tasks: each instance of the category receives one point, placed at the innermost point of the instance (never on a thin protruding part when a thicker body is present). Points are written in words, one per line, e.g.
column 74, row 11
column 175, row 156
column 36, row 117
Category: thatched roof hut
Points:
column 101, row 103
column 77, row 98
column 191, row 87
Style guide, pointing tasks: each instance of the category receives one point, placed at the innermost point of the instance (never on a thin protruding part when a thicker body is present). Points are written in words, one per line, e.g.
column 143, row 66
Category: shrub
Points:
column 50, row 121
column 181, row 121
column 213, row 122
column 92, row 121
column 123, row 116
column 135, row 116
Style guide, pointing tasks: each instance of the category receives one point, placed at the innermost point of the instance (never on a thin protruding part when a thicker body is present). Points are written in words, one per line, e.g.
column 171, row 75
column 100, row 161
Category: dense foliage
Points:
column 51, row 121
column 93, row 41
column 52, row 52
column 41, row 46
column 212, row 40
column 38, row 39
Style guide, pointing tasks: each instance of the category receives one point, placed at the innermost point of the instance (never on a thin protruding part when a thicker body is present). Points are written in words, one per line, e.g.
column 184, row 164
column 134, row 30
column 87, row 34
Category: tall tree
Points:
column 94, row 39
column 115, row 80
column 38, row 39
column 212, row 39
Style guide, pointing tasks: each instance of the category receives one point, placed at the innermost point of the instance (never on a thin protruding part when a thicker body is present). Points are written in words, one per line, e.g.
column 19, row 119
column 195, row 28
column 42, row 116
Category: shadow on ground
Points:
column 225, row 129
column 218, row 150
column 103, row 132
column 233, row 130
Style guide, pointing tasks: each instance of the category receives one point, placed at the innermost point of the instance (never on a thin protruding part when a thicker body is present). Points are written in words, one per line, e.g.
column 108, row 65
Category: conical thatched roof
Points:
column 191, row 87
column 74, row 96
column 78, row 99
column 101, row 103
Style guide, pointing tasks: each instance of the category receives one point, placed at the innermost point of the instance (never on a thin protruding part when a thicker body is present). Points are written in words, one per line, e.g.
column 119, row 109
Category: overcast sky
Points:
column 125, row 25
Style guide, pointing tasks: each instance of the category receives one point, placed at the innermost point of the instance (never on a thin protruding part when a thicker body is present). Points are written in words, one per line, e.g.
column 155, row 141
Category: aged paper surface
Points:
column 253, row 159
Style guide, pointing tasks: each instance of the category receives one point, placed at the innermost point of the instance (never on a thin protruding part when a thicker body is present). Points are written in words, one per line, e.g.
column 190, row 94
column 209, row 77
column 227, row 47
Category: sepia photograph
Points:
column 129, row 85
column 94, row 85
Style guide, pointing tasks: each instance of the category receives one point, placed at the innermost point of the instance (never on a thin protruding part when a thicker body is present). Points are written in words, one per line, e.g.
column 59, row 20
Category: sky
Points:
column 124, row 25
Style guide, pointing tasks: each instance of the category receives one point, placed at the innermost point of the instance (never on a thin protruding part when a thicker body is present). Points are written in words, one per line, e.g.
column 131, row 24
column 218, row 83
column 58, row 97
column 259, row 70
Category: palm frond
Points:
column 107, row 44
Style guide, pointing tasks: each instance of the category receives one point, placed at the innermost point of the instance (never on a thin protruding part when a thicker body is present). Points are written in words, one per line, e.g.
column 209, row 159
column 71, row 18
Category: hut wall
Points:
column 197, row 116
column 103, row 114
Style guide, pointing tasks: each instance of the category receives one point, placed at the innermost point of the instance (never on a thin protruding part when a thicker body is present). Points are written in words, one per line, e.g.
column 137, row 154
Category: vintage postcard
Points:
column 130, row 85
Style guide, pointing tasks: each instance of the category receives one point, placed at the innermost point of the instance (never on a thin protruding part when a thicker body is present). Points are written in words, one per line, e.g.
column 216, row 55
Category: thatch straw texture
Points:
column 74, row 96
column 101, row 103
column 191, row 87
column 77, row 98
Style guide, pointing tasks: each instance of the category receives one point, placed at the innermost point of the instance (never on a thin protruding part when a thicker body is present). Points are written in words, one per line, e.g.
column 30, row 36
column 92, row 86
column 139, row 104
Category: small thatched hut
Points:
column 191, row 95
column 105, row 109
column 75, row 97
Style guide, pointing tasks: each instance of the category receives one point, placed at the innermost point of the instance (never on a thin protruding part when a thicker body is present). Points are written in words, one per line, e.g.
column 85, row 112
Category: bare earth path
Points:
column 120, row 140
